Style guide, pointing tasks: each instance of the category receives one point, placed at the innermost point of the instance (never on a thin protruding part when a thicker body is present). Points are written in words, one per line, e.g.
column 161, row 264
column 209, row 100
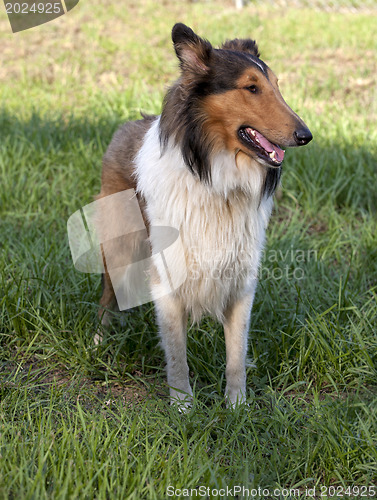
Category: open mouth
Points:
column 268, row 152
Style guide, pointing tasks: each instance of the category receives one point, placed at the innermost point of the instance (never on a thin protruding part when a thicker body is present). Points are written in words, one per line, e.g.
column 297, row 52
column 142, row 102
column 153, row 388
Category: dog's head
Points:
column 228, row 98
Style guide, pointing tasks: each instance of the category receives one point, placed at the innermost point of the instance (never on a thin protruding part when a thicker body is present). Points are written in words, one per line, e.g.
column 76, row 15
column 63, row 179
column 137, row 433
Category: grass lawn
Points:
column 76, row 422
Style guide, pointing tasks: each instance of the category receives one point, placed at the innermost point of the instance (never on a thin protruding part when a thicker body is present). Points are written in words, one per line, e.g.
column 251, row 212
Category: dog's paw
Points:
column 182, row 405
column 236, row 400
column 181, row 400
column 98, row 337
column 237, row 404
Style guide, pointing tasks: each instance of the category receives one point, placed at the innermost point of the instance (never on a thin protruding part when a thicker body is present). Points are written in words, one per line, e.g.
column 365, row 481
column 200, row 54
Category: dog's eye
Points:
column 253, row 89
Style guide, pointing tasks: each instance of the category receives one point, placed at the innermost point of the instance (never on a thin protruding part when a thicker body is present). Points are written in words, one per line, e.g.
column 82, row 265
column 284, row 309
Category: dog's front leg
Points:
column 172, row 321
column 236, row 328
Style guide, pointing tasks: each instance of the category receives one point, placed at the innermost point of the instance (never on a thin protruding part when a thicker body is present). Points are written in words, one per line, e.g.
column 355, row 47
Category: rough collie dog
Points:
column 208, row 166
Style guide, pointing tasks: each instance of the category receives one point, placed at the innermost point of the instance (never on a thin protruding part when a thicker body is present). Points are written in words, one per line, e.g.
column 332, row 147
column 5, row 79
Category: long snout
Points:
column 295, row 132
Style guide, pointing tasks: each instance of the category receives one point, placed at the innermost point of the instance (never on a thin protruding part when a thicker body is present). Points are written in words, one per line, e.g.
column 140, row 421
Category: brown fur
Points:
column 118, row 175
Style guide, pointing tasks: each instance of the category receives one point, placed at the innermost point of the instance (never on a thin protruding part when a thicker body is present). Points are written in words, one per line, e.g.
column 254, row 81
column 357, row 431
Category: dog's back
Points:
column 119, row 160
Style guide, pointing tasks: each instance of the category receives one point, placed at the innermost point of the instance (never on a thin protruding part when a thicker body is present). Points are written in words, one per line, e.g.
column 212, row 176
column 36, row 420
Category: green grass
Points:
column 82, row 423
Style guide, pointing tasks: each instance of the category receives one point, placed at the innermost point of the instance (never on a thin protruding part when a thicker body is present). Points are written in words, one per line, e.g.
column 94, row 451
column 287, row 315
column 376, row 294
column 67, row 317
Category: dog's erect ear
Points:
column 193, row 52
column 242, row 45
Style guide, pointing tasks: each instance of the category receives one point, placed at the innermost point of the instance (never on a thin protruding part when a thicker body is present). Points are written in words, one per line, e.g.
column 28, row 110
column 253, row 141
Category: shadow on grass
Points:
column 52, row 166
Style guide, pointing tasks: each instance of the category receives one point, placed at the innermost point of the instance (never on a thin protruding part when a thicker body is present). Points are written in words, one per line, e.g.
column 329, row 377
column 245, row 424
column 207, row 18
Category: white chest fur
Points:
column 222, row 227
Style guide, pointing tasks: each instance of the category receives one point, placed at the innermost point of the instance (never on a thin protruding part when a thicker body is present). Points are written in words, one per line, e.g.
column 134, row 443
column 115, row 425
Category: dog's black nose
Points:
column 302, row 136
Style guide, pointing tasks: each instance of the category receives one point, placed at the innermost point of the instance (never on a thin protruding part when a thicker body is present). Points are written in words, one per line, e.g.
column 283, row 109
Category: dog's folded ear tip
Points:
column 193, row 51
column 180, row 26
column 181, row 32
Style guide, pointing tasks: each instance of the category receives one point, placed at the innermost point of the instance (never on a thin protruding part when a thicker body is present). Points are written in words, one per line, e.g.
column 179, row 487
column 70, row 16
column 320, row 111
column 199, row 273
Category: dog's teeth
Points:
column 272, row 155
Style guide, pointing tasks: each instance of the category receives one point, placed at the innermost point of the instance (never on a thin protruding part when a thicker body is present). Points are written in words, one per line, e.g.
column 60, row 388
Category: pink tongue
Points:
column 269, row 147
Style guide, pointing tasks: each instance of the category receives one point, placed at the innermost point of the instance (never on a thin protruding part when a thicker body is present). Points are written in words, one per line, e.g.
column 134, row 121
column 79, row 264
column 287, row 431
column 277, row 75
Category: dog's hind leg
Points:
column 107, row 303
column 172, row 321
column 236, row 328
column 107, row 300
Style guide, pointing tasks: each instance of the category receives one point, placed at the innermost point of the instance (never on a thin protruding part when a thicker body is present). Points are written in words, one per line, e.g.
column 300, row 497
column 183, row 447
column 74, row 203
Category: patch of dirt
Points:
column 41, row 378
